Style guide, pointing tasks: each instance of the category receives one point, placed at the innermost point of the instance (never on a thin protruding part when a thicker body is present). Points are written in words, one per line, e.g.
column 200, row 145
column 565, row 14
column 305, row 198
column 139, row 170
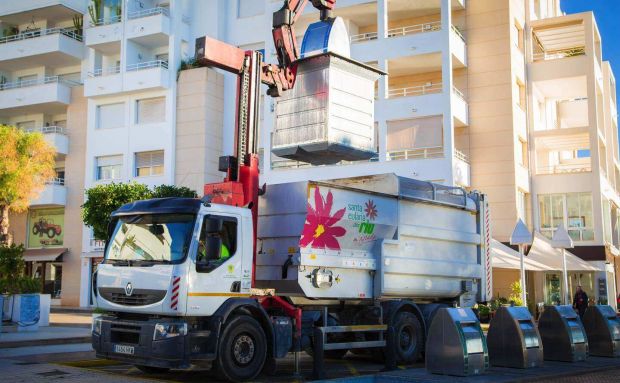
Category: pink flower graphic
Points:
column 371, row 210
column 319, row 229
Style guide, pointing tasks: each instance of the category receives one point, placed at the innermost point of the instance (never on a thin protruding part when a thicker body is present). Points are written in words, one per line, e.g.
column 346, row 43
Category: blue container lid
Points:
column 326, row 36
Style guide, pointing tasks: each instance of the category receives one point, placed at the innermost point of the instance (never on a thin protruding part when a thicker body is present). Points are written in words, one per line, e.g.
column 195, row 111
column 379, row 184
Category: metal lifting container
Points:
column 513, row 339
column 603, row 330
column 455, row 344
column 563, row 336
column 328, row 116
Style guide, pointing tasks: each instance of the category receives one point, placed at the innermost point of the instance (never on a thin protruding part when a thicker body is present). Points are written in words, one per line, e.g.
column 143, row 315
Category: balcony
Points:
column 416, row 90
column 104, row 35
column 458, row 47
column 103, row 81
column 50, row 7
column 399, row 31
column 416, row 154
column 50, row 47
column 54, row 194
column 55, row 136
column 49, row 95
column 460, row 108
column 461, row 169
column 149, row 27
column 147, row 75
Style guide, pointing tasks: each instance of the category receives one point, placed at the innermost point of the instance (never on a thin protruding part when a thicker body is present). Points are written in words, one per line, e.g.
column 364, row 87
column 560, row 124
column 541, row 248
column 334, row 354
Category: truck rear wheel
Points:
column 243, row 349
column 409, row 337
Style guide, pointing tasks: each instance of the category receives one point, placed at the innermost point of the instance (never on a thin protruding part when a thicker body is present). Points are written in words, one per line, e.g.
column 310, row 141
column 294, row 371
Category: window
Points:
column 25, row 125
column 573, row 210
column 521, row 100
column 109, row 168
column 522, row 153
column 224, row 228
column 415, row 138
column 248, row 8
column 149, row 163
column 151, row 110
column 111, row 116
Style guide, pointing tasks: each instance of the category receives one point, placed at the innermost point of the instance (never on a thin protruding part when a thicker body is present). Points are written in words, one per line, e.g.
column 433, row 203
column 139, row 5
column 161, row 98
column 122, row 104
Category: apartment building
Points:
column 41, row 57
column 510, row 97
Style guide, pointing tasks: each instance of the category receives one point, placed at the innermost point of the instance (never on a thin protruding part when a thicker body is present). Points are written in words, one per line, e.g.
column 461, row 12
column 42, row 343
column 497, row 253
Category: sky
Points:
column 607, row 13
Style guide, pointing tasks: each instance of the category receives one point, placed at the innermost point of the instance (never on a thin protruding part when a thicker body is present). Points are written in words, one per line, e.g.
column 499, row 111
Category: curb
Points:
column 45, row 342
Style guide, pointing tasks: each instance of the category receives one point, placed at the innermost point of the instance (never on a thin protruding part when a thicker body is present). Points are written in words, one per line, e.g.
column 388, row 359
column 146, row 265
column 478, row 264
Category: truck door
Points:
column 216, row 270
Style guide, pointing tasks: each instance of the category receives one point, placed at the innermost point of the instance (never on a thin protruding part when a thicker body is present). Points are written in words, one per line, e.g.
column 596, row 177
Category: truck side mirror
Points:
column 213, row 248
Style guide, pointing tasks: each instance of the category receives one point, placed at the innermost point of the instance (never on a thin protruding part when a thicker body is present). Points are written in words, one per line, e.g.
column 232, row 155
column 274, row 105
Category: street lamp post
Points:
column 522, row 237
column 561, row 240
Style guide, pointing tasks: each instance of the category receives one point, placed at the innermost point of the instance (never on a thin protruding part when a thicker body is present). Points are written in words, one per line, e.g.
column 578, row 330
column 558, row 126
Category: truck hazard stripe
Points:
column 218, row 295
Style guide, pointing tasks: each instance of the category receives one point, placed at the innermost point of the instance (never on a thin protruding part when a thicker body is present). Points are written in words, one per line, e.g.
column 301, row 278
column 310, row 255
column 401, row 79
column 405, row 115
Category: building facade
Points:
column 509, row 97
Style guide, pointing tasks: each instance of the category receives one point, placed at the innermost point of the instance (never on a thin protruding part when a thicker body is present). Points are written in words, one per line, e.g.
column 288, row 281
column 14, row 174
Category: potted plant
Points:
column 11, row 269
column 484, row 313
column 27, row 304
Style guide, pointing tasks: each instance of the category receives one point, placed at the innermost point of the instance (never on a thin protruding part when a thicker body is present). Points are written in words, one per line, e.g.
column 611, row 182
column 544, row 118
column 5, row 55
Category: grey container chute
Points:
column 328, row 116
column 603, row 330
column 455, row 344
column 563, row 336
column 513, row 339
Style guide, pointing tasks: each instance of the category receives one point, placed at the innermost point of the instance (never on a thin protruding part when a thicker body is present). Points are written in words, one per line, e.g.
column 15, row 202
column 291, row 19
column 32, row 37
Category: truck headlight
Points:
column 96, row 326
column 169, row 330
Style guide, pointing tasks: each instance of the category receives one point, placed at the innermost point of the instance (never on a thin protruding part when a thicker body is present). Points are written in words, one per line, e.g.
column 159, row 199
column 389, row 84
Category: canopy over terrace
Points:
column 541, row 257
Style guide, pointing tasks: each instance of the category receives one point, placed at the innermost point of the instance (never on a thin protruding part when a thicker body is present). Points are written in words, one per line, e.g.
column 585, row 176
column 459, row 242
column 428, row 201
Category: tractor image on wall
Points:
column 46, row 226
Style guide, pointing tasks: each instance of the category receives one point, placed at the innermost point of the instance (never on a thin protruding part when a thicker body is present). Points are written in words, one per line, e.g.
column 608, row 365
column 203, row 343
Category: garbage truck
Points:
column 248, row 274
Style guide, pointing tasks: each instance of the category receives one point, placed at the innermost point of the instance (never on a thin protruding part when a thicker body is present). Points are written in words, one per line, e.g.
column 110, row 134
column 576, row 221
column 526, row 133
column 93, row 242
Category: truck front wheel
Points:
column 243, row 349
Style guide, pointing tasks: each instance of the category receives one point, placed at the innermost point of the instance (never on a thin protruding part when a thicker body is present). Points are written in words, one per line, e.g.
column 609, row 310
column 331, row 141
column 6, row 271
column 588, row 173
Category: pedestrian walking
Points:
column 580, row 301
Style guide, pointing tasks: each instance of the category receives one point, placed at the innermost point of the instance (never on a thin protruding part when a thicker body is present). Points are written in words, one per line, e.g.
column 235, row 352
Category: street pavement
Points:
column 63, row 354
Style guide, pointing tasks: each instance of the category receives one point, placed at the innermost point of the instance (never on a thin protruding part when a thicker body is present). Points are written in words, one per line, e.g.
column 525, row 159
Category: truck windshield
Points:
column 151, row 238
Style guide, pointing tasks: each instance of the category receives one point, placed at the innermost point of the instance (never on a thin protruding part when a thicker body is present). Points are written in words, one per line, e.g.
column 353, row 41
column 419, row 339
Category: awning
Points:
column 506, row 258
column 44, row 255
column 542, row 251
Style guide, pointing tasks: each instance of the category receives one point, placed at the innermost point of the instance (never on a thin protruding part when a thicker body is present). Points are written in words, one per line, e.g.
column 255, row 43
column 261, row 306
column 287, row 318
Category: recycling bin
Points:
column 455, row 344
column 603, row 331
column 563, row 336
column 513, row 339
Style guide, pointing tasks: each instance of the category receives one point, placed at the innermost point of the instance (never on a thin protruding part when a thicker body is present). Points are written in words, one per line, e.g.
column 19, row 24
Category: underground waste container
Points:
column 513, row 339
column 455, row 344
column 562, row 333
column 603, row 331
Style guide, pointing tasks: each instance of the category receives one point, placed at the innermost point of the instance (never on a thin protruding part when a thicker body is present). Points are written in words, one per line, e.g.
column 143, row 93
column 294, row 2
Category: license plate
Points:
column 122, row 349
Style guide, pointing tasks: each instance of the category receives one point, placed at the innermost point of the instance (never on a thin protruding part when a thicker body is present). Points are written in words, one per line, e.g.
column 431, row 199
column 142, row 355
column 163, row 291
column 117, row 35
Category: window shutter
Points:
column 110, row 160
column 111, row 116
column 151, row 110
column 415, row 133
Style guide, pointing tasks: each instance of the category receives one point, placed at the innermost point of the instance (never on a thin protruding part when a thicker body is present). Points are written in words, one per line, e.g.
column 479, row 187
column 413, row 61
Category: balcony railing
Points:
column 48, row 129
column 364, row 37
column 148, row 12
column 414, row 29
column 458, row 32
column 461, row 156
column 147, row 65
column 416, row 154
column 56, row 181
column 559, row 54
column 35, row 82
column 418, row 90
column 116, row 69
column 106, row 21
column 69, row 32
column 564, row 169
column 97, row 244
column 458, row 93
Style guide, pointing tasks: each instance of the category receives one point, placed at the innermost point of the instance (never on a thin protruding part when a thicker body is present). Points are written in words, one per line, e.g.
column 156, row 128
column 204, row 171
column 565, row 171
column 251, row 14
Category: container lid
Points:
column 326, row 36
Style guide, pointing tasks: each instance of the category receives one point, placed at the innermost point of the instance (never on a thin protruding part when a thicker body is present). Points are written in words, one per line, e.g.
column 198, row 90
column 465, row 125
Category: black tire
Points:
column 409, row 337
column 51, row 233
column 152, row 370
column 35, row 229
column 242, row 350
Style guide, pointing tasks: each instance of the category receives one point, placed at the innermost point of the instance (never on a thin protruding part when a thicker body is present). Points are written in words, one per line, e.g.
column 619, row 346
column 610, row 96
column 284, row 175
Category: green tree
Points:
column 515, row 293
column 26, row 164
column 165, row 191
column 102, row 200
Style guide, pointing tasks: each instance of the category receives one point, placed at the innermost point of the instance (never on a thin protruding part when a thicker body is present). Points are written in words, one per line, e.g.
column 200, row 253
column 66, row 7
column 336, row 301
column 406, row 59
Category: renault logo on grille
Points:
column 129, row 289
